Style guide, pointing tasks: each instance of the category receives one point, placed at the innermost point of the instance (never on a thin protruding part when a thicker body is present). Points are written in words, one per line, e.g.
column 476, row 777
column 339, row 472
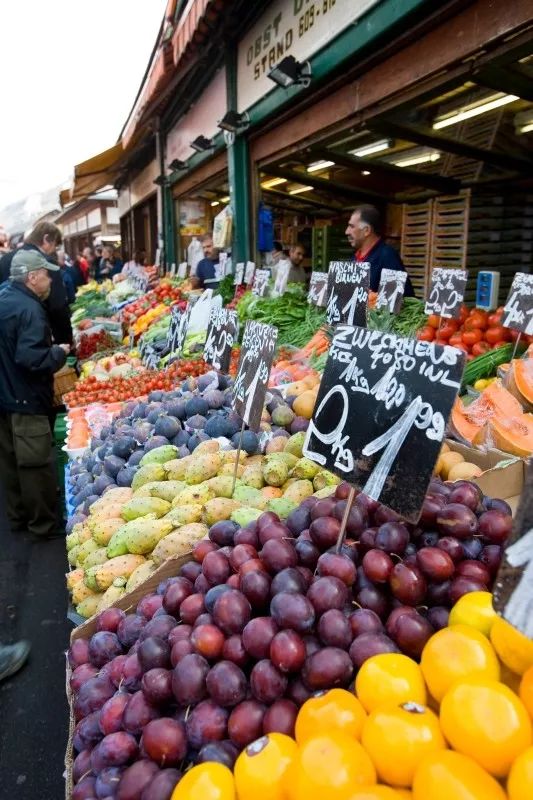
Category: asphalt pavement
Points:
column 33, row 707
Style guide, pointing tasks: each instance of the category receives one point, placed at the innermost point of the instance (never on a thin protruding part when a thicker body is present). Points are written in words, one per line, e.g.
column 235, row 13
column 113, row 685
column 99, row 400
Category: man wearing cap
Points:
column 28, row 360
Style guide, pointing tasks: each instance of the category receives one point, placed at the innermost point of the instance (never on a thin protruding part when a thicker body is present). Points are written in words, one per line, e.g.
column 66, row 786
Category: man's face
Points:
column 87, row 254
column 356, row 231
column 208, row 248
column 39, row 282
column 48, row 246
column 296, row 255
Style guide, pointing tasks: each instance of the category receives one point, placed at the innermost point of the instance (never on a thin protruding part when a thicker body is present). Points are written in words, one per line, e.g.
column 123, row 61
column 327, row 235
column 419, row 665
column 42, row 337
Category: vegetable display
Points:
column 291, row 314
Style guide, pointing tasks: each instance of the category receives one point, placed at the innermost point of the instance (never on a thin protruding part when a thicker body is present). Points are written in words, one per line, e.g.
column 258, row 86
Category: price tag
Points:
column 173, row 270
column 513, row 589
column 222, row 261
column 403, row 390
column 282, row 278
column 131, row 335
column 222, row 333
column 239, row 273
column 261, row 279
column 446, row 292
column 391, row 289
column 177, row 331
column 182, row 270
column 249, row 274
column 140, row 282
column 150, row 357
column 348, row 287
column 518, row 311
column 257, row 354
column 318, row 287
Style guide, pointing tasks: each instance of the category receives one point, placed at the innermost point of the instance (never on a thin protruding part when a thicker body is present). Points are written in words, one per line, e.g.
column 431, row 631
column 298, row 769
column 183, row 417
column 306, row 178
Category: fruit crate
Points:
column 64, row 381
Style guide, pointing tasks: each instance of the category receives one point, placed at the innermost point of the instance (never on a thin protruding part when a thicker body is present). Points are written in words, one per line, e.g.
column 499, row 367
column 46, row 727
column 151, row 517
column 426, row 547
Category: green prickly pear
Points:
column 89, row 607
column 142, row 506
column 143, row 535
column 295, row 444
column 150, row 472
column 305, row 469
column 159, row 455
column 325, row 478
column 275, row 472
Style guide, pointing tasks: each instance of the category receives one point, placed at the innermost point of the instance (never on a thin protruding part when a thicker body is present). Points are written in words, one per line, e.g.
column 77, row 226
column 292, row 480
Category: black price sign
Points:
column 249, row 389
column 518, row 311
column 318, row 287
column 391, row 289
column 403, row 390
column 239, row 273
column 179, row 322
column 513, row 589
column 446, row 292
column 222, row 333
column 348, row 287
column 140, row 281
column 260, row 284
column 150, row 357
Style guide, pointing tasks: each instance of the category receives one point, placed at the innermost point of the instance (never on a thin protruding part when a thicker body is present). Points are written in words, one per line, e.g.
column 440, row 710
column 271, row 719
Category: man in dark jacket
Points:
column 28, row 360
column 45, row 238
column 364, row 234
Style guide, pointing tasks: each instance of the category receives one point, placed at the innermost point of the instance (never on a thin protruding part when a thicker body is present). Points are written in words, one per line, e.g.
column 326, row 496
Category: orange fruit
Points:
column 520, row 780
column 397, row 738
column 526, row 690
column 260, row 768
column 334, row 710
column 485, row 720
column 475, row 610
column 390, row 678
column 375, row 793
column 329, row 765
column 452, row 776
column 209, row 781
column 455, row 653
column 513, row 648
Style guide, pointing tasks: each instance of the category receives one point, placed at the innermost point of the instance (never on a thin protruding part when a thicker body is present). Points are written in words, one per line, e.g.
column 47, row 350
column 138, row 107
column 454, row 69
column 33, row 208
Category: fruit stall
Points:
column 249, row 624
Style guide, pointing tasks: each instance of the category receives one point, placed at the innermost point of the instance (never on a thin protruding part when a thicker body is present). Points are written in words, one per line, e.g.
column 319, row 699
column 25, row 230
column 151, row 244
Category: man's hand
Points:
column 65, row 347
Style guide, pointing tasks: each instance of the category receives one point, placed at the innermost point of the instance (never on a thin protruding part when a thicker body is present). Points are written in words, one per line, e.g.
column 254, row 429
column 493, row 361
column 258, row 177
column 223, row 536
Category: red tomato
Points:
column 464, row 313
column 456, row 339
column 433, row 320
column 512, row 334
column 495, row 335
column 447, row 329
column 426, row 334
column 471, row 337
column 462, row 347
column 494, row 319
column 479, row 348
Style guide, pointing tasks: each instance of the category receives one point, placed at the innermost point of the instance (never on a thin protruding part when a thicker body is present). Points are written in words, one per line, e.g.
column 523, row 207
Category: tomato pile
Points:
column 91, row 343
column 163, row 293
column 475, row 331
column 239, row 291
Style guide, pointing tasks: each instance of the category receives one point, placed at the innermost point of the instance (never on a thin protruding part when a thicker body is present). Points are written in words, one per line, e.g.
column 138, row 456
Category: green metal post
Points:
column 170, row 227
column 238, row 172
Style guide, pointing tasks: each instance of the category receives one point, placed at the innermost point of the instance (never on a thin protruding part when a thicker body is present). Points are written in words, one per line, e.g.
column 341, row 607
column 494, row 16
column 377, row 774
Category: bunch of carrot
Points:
column 318, row 344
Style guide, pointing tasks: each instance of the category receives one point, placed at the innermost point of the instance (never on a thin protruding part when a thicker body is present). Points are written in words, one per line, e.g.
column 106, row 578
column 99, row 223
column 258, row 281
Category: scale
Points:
column 487, row 290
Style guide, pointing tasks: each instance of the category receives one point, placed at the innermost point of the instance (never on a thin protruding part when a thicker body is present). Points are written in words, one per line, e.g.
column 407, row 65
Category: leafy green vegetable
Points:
column 486, row 365
column 226, row 289
column 291, row 314
column 406, row 323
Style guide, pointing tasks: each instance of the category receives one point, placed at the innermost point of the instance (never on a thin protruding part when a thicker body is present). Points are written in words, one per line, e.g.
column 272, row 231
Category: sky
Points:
column 70, row 72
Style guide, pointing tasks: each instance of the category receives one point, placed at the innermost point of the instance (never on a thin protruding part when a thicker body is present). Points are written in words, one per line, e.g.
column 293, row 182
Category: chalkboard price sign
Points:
column 348, row 287
column 179, row 322
column 282, row 278
column 518, row 311
column 222, row 333
column 318, row 287
column 260, row 285
column 249, row 389
column 140, row 281
column 150, row 357
column 391, row 289
column 446, row 292
column 381, row 413
column 239, row 273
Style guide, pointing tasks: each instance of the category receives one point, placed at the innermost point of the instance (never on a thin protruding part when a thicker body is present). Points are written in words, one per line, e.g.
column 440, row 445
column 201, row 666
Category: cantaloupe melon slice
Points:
column 513, row 434
column 461, row 427
column 519, row 381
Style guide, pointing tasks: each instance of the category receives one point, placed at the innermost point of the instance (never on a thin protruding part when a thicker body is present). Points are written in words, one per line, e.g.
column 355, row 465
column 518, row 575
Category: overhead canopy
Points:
column 94, row 174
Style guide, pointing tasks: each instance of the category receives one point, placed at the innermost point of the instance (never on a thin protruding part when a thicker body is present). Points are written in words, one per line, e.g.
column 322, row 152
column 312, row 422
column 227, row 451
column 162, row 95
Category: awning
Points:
column 94, row 174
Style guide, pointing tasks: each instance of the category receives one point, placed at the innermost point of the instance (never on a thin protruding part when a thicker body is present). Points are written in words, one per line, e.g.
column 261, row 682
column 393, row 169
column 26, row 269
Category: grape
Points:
column 373, row 598
column 298, row 520
column 240, row 554
column 180, row 650
column 495, row 504
column 188, row 679
column 156, row 685
column 87, row 732
column 339, row 566
column 103, row 647
column 324, row 530
column 162, row 785
column 221, row 752
column 495, row 526
column 457, row 520
column 190, row 570
column 265, row 520
column 436, row 486
column 452, row 546
column 109, row 619
column 81, row 765
column 78, row 653
column 207, row 722
column 428, row 539
column 114, row 750
column 149, row 605
column 85, row 789
column 132, row 673
column 234, row 582
column 307, row 552
column 408, row 584
column 216, row 568
column 438, row 617
column 342, row 491
column 475, row 570
column 465, row 493
column 334, row 629
column 208, row 641
column 159, row 626
column 395, row 615
column 233, row 650
column 326, row 593
column 287, row 651
column 112, row 711
column 363, row 620
column 377, row 565
column 307, row 575
column 277, row 555
column 370, row 644
column 129, row 629
column 266, row 682
column 92, row 695
column 438, row 594
column 203, row 619
column 411, row 634
column 472, row 547
column 462, row 585
column 201, row 549
column 328, row 668
column 430, row 508
column 274, row 530
column 232, row 611
column 312, row 645
column 435, row 564
column 164, row 741
column 213, row 594
column 222, row 532
column 175, row 594
column 298, row 692
column 253, row 565
column 153, row 652
column 288, row 580
column 257, row 636
column 392, row 537
column 135, row 778
column 226, row 683
column 281, row 717
column 245, row 723
column 383, row 515
column 324, row 508
column 192, row 607
column 292, row 610
column 82, row 674
column 247, row 536
column 491, row 556
column 201, row 584
column 255, row 586
column 138, row 713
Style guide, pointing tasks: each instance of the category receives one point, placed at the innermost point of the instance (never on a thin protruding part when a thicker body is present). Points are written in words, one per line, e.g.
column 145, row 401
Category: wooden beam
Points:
column 510, row 80
column 308, row 179
column 305, row 200
column 432, row 138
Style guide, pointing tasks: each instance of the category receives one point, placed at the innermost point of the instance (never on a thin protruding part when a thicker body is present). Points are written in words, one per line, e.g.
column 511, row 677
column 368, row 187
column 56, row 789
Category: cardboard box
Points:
column 503, row 474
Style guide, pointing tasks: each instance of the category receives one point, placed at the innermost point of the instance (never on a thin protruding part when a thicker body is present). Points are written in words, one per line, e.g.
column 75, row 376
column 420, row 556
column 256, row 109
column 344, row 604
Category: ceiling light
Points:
column 370, row 149
column 290, row 72
column 215, row 203
column 365, row 172
column 201, row 144
column 473, row 110
column 176, row 164
column 413, row 160
column 301, row 189
column 234, row 122
column 318, row 165
column 526, row 128
column 224, row 199
column 273, row 182
column 523, row 122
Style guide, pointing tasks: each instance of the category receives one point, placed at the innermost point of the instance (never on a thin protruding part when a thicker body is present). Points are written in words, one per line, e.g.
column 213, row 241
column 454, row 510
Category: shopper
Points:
column 28, row 360
column 97, row 259
column 67, row 276
column 110, row 264
column 77, row 272
column 84, row 266
column 364, row 234
column 88, row 255
column 297, row 273
column 207, row 276
column 45, row 238
column 13, row 657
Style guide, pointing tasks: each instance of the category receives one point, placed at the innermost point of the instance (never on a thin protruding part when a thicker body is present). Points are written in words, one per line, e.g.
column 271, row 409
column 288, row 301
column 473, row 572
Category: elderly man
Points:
column 28, row 360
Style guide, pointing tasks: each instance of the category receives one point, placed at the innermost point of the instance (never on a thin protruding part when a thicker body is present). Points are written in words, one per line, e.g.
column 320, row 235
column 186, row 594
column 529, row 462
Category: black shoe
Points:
column 13, row 657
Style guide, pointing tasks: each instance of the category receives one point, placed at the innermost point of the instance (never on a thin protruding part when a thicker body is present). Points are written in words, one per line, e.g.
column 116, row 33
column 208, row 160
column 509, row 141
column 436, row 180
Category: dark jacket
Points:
column 76, row 275
column 206, row 272
column 28, row 359
column 383, row 256
column 107, row 269
column 56, row 305
column 69, row 284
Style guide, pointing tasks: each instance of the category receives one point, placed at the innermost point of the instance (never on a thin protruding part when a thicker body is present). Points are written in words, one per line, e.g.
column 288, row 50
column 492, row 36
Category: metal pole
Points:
column 237, row 462
column 349, row 503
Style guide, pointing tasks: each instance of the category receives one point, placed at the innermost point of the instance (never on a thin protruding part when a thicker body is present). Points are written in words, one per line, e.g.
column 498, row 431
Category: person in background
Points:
column 97, row 259
column 67, row 276
column 206, row 270
column 276, row 254
column 89, row 257
column 84, row 266
column 109, row 264
column 364, row 234
column 4, row 243
column 45, row 238
column 28, row 361
column 297, row 273
column 76, row 272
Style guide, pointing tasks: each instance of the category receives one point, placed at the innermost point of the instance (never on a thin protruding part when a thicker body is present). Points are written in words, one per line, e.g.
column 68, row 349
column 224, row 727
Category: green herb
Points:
column 486, row 365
